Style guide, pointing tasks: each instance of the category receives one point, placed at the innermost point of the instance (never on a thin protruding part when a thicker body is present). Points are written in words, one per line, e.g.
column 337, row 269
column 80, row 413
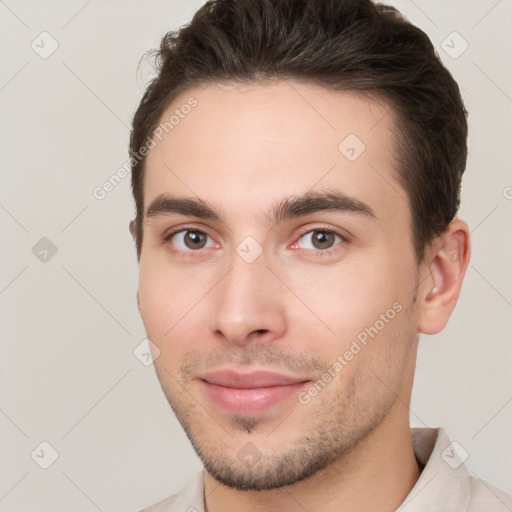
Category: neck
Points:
column 376, row 474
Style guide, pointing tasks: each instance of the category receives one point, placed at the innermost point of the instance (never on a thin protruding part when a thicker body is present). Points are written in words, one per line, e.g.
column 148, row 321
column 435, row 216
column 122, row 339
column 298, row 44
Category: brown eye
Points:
column 195, row 239
column 189, row 240
column 320, row 240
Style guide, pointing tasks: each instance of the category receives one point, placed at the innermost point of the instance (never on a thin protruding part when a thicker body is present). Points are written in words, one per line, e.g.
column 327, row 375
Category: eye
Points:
column 320, row 240
column 189, row 240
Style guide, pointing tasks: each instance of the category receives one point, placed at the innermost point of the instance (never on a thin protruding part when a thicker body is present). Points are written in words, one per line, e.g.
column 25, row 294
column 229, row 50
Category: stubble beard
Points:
column 329, row 433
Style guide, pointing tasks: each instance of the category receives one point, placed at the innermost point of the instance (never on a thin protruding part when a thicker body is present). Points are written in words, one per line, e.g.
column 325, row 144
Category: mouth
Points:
column 249, row 393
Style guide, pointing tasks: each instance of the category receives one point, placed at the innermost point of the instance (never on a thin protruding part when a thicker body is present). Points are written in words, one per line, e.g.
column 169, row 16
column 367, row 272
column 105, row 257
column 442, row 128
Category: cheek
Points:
column 363, row 316
column 347, row 297
column 172, row 308
column 152, row 301
column 162, row 295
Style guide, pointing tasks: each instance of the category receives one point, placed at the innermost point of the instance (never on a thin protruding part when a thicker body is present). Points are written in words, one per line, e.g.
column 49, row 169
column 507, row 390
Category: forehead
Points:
column 243, row 145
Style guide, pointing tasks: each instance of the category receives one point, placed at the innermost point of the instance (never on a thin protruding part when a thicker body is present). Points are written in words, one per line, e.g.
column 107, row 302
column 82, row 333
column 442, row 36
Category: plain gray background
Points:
column 70, row 324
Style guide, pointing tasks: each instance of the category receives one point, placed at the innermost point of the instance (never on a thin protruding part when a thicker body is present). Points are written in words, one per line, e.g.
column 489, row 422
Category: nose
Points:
column 248, row 303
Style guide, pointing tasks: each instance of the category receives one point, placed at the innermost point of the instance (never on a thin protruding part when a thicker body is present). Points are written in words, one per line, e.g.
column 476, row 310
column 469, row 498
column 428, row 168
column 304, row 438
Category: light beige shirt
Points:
column 445, row 484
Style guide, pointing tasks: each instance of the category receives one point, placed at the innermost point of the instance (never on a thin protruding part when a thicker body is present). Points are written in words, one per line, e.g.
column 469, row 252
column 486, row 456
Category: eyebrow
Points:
column 290, row 207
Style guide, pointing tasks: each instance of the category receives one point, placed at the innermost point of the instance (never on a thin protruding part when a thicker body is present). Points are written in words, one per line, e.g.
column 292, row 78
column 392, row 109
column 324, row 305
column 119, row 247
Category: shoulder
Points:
column 451, row 485
column 484, row 496
column 189, row 499
column 161, row 506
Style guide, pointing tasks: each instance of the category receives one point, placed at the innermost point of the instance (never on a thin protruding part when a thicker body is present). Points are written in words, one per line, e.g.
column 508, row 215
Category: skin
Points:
column 295, row 309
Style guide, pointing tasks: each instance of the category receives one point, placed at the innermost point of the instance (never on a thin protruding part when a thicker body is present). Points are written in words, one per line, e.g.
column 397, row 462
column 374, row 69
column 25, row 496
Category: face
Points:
column 277, row 276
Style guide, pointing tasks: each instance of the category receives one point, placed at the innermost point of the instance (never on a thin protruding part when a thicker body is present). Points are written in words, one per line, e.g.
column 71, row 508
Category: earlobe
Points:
column 446, row 270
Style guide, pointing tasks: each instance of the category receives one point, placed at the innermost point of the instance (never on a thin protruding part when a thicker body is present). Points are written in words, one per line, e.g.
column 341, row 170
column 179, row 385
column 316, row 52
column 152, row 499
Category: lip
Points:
column 249, row 393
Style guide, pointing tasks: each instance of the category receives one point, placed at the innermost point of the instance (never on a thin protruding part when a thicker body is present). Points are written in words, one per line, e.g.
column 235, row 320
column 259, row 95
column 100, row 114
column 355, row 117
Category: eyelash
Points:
column 324, row 229
column 317, row 252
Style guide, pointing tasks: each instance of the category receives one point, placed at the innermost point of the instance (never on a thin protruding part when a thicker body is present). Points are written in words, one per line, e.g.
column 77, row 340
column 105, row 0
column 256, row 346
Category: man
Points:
column 296, row 173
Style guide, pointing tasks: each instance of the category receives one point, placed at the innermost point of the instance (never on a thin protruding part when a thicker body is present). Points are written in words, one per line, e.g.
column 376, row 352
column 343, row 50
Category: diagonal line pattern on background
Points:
column 96, row 300
column 491, row 285
column 76, row 14
column 13, row 13
column 81, row 491
column 5, row 495
column 12, row 280
column 424, row 14
column 501, row 409
column 485, row 218
column 492, row 81
column 74, row 218
column 13, row 76
column 96, row 403
column 486, row 14
column 17, row 426
column 13, row 217
column 490, row 490
column 79, row 79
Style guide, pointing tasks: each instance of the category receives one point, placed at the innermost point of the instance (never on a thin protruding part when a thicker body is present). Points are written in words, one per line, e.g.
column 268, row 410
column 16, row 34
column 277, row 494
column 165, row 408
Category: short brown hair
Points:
column 341, row 45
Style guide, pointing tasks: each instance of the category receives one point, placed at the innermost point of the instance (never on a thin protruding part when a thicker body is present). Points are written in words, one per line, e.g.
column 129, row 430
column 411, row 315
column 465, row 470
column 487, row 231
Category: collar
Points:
column 443, row 486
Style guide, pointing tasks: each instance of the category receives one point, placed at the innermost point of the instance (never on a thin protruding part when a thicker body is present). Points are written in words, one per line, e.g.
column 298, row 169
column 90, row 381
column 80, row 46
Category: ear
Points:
column 446, row 264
